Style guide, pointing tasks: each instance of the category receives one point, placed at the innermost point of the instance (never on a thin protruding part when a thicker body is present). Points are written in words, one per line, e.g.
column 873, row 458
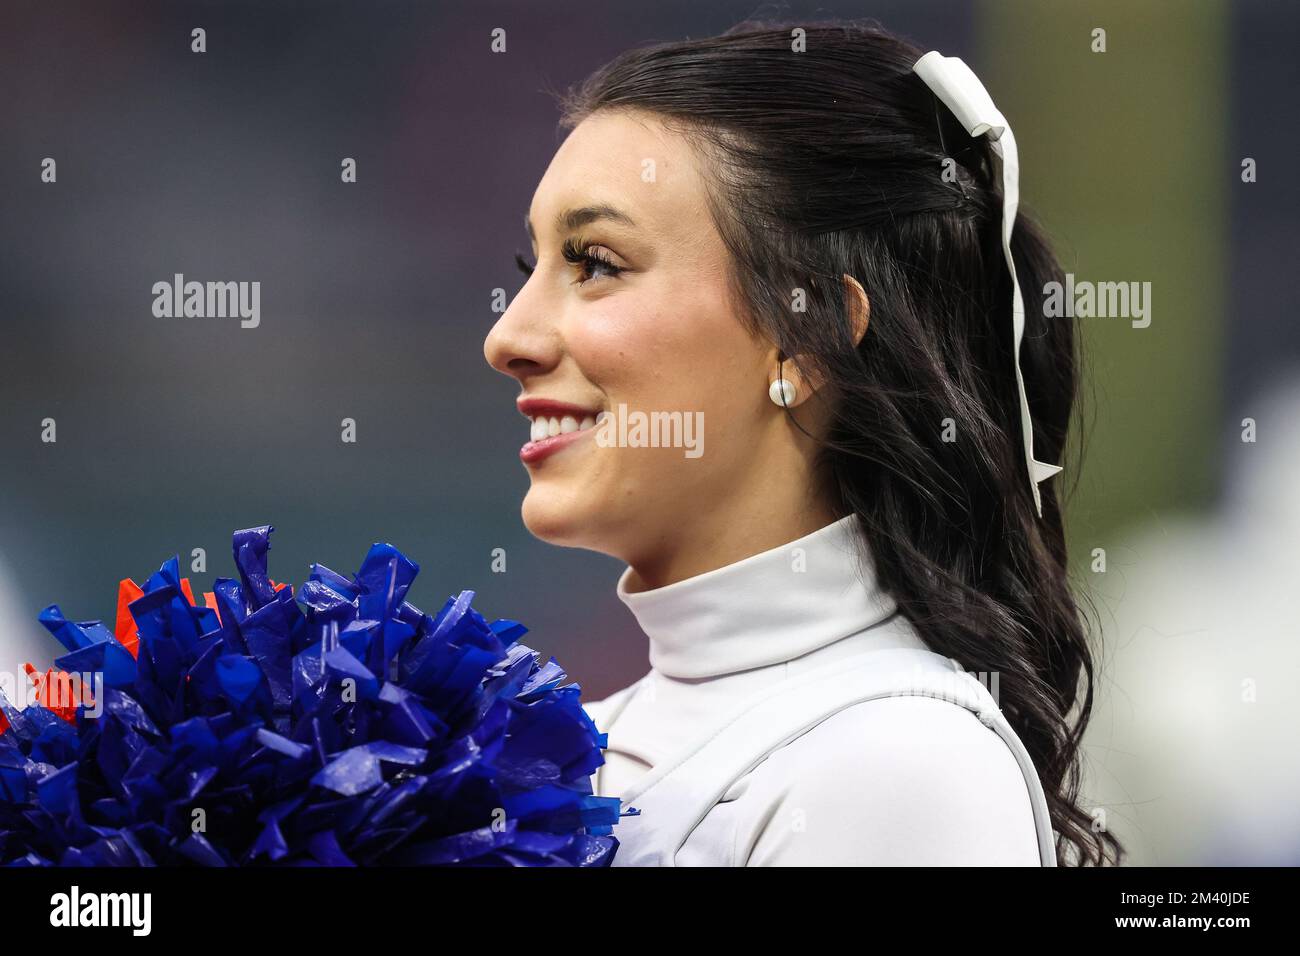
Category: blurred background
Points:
column 376, row 298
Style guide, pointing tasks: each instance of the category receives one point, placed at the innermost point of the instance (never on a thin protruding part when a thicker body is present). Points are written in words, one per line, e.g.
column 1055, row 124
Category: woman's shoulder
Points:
column 894, row 780
column 920, row 738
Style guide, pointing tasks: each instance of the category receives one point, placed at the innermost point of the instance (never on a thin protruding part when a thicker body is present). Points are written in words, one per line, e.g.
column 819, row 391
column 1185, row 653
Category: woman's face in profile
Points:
column 628, row 310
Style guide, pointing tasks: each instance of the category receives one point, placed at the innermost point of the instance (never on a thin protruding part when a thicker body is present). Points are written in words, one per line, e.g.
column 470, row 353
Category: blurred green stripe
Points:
column 1126, row 162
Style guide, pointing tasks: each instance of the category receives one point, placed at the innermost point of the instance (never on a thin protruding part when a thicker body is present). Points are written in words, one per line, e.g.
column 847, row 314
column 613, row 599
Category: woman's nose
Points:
column 521, row 343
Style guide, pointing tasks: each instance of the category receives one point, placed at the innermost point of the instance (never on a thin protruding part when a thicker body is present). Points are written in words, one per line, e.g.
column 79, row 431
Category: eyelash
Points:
column 575, row 253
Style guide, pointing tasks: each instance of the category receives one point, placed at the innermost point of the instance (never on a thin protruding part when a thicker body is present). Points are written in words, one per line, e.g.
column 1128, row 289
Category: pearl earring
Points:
column 782, row 392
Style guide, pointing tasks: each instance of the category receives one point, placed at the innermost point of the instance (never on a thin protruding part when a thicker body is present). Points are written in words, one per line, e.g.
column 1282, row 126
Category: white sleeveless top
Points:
column 792, row 717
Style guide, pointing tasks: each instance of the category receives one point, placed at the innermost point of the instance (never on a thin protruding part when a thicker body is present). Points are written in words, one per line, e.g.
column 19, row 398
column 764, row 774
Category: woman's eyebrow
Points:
column 571, row 219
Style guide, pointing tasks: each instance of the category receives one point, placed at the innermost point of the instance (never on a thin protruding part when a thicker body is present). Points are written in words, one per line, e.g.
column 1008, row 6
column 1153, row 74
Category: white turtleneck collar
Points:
column 762, row 609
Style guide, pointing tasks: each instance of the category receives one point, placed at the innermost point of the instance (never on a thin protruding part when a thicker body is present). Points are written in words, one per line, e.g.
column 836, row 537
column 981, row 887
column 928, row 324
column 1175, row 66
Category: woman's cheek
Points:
column 621, row 345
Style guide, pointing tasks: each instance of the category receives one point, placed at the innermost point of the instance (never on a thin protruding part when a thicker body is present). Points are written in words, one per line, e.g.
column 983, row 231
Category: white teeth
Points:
column 548, row 427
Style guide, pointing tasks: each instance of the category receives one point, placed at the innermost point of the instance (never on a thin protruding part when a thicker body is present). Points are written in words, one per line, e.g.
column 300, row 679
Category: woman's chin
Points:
column 553, row 518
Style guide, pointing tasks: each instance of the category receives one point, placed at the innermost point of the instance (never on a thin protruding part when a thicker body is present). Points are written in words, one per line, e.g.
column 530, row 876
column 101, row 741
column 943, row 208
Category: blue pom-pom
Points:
column 339, row 726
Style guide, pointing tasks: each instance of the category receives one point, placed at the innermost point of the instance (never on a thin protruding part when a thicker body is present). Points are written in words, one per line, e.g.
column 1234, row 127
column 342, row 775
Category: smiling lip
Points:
column 533, row 452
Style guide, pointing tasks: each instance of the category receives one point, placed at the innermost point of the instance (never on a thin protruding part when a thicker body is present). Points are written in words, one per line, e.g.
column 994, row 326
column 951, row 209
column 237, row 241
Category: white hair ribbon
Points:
column 962, row 92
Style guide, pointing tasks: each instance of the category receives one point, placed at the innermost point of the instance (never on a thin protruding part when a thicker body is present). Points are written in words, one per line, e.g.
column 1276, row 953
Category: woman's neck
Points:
column 722, row 538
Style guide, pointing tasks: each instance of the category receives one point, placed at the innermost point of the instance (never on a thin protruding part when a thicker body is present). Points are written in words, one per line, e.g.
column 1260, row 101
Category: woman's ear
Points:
column 859, row 307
